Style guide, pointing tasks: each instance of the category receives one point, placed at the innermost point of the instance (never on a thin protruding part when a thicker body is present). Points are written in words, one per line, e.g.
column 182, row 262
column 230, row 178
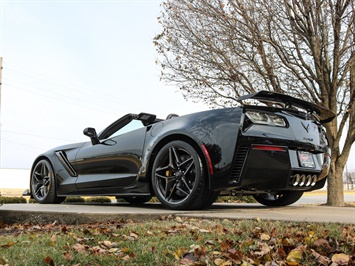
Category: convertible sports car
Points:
column 275, row 151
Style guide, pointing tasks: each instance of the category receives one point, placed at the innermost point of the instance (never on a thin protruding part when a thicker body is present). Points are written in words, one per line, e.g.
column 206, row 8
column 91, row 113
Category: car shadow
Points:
column 158, row 206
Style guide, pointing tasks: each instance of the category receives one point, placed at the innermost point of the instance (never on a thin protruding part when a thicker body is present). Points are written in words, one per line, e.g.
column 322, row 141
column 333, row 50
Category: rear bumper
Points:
column 260, row 167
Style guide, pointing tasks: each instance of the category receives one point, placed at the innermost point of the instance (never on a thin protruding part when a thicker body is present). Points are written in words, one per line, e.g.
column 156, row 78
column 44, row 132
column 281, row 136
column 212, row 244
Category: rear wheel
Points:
column 43, row 187
column 178, row 178
column 279, row 199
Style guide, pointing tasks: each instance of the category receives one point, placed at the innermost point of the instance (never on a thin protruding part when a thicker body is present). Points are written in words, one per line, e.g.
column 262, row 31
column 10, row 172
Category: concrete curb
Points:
column 84, row 213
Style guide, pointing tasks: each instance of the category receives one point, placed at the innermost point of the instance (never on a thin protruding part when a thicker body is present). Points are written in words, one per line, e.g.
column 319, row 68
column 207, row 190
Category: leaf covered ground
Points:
column 178, row 241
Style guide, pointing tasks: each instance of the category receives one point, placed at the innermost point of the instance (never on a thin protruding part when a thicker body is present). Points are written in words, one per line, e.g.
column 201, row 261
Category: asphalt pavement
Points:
column 66, row 213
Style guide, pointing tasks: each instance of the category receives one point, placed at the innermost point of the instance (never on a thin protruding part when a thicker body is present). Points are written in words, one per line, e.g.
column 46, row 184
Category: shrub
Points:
column 7, row 200
column 236, row 199
column 74, row 199
column 99, row 199
column 31, row 200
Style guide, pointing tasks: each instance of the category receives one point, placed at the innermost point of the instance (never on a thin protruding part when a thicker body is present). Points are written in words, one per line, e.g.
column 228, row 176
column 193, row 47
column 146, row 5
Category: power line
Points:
column 84, row 91
column 21, row 144
column 33, row 135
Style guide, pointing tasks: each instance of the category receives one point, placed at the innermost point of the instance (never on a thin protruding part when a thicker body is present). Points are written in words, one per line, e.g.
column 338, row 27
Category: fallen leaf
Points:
column 49, row 261
column 125, row 250
column 295, row 255
column 134, row 235
column 340, row 259
column 8, row 245
column 204, row 231
column 67, row 256
column 209, row 242
column 80, row 248
column 97, row 250
column 265, row 237
column 130, row 238
column 322, row 246
column 322, row 260
column 178, row 219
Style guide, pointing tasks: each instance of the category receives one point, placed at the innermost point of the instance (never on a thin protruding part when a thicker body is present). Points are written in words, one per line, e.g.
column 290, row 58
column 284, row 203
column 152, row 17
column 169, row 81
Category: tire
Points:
column 178, row 177
column 43, row 186
column 210, row 199
column 137, row 199
column 279, row 199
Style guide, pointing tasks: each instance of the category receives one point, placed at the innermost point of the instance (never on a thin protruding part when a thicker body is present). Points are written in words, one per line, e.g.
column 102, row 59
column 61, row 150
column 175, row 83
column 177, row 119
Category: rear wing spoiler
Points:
column 325, row 115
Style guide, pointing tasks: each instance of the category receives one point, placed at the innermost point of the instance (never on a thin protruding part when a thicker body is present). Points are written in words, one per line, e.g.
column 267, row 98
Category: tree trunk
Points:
column 335, row 190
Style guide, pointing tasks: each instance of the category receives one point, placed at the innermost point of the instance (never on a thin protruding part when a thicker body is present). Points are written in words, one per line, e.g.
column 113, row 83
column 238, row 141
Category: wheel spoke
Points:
column 183, row 191
column 186, row 162
column 186, row 184
column 38, row 191
column 170, row 192
column 174, row 164
column 43, row 171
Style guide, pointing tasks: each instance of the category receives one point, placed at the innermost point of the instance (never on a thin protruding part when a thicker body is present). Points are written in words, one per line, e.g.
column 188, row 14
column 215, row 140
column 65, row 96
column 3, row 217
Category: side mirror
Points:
column 91, row 133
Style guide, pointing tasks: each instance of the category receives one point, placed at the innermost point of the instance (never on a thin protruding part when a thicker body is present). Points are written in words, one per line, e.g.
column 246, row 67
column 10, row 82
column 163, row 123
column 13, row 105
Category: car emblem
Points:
column 306, row 127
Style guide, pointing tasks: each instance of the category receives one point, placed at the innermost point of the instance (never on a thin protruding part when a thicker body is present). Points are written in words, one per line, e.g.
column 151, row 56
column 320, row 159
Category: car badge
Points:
column 306, row 127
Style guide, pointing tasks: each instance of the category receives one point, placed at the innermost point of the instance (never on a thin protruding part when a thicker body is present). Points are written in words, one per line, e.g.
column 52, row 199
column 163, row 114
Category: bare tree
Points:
column 217, row 50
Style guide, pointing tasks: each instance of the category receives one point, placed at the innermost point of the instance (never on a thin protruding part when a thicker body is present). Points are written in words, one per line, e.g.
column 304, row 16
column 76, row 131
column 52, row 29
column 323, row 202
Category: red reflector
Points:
column 268, row 148
column 209, row 162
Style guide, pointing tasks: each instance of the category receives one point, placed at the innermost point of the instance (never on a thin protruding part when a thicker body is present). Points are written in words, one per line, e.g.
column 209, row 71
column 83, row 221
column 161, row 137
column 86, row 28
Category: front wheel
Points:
column 43, row 187
column 178, row 177
column 283, row 198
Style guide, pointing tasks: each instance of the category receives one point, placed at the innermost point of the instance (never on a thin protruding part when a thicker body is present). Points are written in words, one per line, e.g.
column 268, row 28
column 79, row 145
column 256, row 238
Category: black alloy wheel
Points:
column 43, row 183
column 178, row 177
column 282, row 198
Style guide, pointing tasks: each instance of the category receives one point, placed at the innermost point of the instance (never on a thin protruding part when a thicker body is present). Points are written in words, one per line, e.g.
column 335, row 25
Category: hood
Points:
column 324, row 114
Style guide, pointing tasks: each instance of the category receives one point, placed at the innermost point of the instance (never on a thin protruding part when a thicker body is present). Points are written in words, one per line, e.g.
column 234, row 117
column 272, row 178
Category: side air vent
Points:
column 239, row 159
column 64, row 161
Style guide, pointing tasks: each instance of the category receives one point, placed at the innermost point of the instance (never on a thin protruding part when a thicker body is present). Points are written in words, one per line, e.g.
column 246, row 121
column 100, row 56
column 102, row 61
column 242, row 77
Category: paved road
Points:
column 320, row 197
column 84, row 213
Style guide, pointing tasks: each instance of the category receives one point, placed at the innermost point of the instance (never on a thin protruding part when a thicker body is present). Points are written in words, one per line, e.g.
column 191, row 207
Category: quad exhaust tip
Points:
column 304, row 180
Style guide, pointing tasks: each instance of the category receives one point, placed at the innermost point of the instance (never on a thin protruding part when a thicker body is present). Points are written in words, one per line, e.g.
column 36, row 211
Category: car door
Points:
column 111, row 165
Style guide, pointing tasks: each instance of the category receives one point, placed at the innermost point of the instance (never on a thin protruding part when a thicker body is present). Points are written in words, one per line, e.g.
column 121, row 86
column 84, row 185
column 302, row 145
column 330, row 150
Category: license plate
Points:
column 306, row 159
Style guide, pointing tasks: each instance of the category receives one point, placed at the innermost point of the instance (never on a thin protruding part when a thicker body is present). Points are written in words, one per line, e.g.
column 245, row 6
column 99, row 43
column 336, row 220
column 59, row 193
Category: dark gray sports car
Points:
column 275, row 151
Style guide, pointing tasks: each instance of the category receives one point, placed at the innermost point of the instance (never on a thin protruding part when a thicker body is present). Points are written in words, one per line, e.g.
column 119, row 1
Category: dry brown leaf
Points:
column 295, row 255
column 134, row 235
column 80, row 248
column 97, row 250
column 322, row 260
column 322, row 246
column 130, row 238
column 67, row 256
column 204, row 231
column 263, row 249
column 49, row 261
column 340, row 259
column 209, row 242
column 265, row 237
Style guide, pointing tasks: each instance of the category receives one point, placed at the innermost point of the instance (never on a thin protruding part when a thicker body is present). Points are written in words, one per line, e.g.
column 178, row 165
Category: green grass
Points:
column 175, row 241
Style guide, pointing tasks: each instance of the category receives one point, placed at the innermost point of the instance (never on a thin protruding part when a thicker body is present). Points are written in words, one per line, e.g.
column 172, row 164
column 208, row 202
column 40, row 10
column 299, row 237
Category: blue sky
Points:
column 68, row 65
